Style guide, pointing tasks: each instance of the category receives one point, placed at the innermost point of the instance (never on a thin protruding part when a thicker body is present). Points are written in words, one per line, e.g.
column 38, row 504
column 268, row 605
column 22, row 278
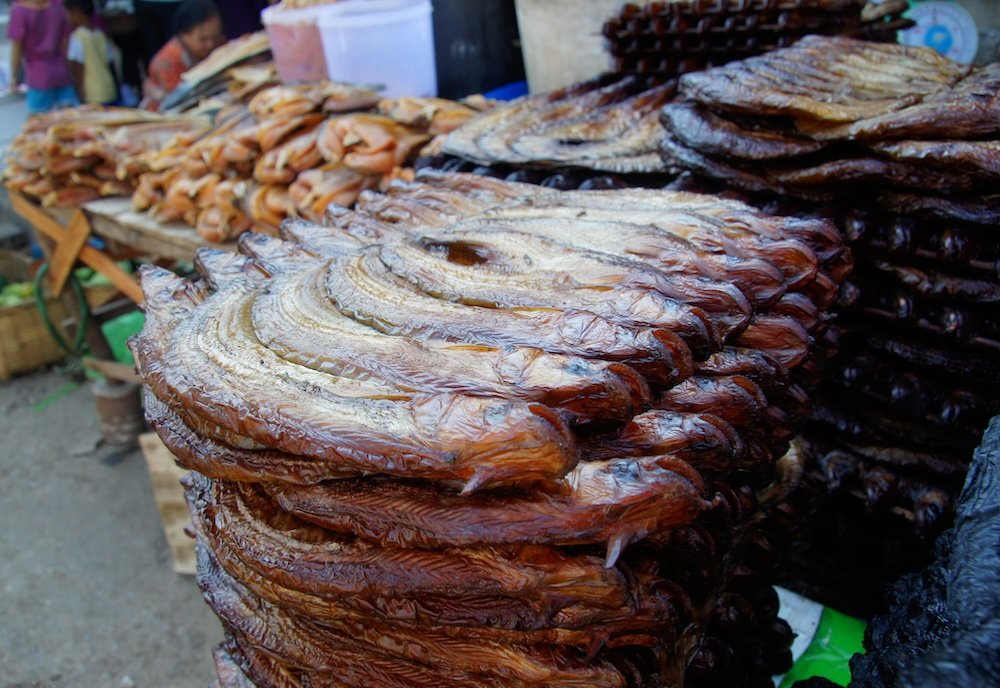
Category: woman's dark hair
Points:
column 191, row 13
column 86, row 7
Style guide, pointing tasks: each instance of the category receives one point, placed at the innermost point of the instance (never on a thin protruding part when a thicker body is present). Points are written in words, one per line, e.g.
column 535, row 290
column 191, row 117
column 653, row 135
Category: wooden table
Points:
column 63, row 236
column 113, row 220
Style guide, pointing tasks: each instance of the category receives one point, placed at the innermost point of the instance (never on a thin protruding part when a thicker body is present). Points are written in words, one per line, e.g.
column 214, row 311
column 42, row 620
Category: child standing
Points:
column 38, row 33
column 90, row 56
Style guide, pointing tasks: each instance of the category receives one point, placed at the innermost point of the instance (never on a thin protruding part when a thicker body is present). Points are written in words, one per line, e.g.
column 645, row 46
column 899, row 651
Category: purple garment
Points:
column 42, row 33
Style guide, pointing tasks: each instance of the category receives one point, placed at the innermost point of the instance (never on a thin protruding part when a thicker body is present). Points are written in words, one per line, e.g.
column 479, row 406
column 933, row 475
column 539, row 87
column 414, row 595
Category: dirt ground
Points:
column 89, row 598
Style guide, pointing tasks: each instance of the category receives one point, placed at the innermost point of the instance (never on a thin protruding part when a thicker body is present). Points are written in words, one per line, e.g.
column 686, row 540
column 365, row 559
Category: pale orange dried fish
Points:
column 284, row 163
column 269, row 206
column 65, row 164
column 348, row 98
column 328, row 142
column 272, row 132
column 116, row 187
column 316, row 190
column 434, row 115
column 287, row 101
column 217, row 225
column 376, row 143
column 70, row 196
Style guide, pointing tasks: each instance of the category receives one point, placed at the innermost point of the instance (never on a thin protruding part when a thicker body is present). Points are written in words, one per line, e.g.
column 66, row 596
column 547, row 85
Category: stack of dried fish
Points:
column 833, row 116
column 910, row 141
column 480, row 433
column 603, row 133
column 607, row 124
column 292, row 151
column 217, row 77
column 69, row 157
column 237, row 85
column 672, row 38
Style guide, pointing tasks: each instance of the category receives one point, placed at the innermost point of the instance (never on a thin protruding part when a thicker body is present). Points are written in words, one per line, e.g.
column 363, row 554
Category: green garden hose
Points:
column 77, row 349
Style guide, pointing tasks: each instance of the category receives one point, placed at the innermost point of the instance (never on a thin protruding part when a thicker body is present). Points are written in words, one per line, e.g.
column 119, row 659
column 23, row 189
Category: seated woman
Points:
column 198, row 32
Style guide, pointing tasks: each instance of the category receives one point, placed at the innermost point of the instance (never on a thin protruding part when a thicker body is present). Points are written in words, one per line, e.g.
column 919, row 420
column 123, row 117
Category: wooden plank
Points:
column 35, row 215
column 125, row 282
column 113, row 370
column 88, row 254
column 114, row 219
column 68, row 251
column 165, row 475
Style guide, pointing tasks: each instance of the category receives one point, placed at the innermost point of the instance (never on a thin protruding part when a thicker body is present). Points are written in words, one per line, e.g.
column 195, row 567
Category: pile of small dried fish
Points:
column 674, row 38
column 903, row 148
column 480, row 433
column 69, row 157
column 291, row 152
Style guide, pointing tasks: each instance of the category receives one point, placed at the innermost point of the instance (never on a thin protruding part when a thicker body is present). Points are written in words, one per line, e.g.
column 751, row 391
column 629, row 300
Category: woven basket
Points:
column 25, row 344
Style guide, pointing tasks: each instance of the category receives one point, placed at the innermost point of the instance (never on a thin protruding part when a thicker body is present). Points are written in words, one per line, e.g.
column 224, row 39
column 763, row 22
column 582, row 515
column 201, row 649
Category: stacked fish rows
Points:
column 69, row 157
column 603, row 132
column 479, row 433
column 291, row 152
column 672, row 38
column 606, row 124
column 910, row 141
column 227, row 75
column 830, row 117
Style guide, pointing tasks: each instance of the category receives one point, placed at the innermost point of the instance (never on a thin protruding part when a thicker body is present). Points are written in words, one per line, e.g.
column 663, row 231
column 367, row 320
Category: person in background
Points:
column 199, row 32
column 39, row 33
column 90, row 56
column 117, row 19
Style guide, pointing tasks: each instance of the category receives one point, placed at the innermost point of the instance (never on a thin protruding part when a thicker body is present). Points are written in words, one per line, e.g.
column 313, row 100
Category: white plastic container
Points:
column 385, row 42
column 561, row 40
column 296, row 42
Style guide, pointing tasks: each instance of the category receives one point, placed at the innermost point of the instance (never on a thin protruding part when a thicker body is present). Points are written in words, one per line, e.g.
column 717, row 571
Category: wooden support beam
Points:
column 113, row 370
column 67, row 251
column 88, row 254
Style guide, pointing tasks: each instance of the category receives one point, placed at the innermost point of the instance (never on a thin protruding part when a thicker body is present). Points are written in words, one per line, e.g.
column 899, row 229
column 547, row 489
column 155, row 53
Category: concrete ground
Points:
column 88, row 598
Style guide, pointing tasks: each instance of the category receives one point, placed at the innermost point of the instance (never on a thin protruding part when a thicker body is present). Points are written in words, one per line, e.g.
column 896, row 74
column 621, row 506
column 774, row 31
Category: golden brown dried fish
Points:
column 365, row 425
column 825, row 79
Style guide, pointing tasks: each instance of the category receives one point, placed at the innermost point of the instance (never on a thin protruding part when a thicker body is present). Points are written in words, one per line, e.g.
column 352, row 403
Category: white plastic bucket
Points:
column 296, row 43
column 386, row 42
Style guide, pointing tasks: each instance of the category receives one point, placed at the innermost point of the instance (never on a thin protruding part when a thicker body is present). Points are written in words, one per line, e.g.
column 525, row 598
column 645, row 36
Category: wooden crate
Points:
column 165, row 475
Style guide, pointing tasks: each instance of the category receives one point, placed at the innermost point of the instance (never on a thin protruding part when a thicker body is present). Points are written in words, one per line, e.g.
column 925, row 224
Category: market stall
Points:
column 552, row 391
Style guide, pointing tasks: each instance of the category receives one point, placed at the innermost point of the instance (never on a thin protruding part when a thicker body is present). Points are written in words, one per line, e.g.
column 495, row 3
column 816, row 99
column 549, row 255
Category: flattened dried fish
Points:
column 364, row 425
column 825, row 79
column 296, row 320
column 606, row 124
column 980, row 157
column 969, row 109
column 710, row 134
column 510, row 270
column 534, row 583
column 365, row 289
column 613, row 502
